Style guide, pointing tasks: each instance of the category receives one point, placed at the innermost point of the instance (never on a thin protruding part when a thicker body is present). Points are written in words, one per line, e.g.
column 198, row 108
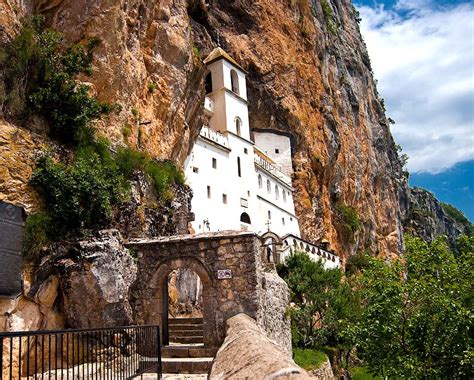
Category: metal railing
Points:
column 106, row 353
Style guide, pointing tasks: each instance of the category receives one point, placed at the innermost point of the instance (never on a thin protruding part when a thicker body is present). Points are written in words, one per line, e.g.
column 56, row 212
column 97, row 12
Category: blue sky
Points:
column 422, row 54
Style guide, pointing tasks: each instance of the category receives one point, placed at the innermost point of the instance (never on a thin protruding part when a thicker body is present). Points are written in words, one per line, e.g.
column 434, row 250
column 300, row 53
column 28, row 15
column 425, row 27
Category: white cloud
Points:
column 423, row 58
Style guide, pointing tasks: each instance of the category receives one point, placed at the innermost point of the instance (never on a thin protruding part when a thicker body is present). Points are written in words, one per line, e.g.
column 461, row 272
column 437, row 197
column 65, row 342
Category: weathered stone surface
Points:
column 95, row 283
column 247, row 353
column 19, row 149
column 274, row 301
column 324, row 372
column 427, row 219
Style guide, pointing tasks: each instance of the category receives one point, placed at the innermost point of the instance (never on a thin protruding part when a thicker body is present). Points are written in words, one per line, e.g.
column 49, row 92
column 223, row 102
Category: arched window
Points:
column 245, row 218
column 269, row 187
column 284, row 196
column 238, row 125
column 208, row 83
column 234, row 80
column 260, row 182
column 239, row 172
column 277, row 192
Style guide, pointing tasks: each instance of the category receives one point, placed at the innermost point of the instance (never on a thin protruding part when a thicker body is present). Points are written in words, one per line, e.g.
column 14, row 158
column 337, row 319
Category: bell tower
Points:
column 226, row 87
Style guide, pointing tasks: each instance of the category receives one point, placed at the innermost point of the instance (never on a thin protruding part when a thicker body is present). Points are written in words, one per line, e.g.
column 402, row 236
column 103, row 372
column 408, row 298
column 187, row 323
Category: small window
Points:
column 239, row 172
column 284, row 196
column 269, row 187
column 248, row 193
column 277, row 151
column 291, row 219
column 224, row 198
column 260, row 182
column 269, row 214
column 246, row 151
column 283, row 221
column 209, row 192
column 214, row 163
column 195, row 170
column 234, row 79
column 277, row 192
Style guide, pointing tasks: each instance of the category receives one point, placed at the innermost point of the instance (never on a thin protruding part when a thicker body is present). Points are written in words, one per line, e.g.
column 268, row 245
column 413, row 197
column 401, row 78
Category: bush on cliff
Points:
column 40, row 77
column 81, row 194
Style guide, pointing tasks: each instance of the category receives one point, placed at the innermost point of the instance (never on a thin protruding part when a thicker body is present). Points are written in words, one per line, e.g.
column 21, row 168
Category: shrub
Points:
column 151, row 87
column 350, row 222
column 161, row 174
column 37, row 235
column 79, row 195
column 328, row 16
column 455, row 213
column 43, row 70
column 309, row 359
column 126, row 132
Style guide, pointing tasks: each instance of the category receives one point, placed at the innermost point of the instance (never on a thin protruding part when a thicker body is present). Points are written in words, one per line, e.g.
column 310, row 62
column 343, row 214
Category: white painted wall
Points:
column 269, row 143
column 293, row 244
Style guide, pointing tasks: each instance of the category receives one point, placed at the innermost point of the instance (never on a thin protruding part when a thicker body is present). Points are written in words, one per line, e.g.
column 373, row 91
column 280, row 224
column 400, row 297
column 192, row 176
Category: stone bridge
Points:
column 235, row 278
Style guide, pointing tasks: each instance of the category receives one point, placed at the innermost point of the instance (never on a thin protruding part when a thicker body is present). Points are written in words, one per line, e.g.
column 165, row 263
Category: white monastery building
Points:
column 242, row 181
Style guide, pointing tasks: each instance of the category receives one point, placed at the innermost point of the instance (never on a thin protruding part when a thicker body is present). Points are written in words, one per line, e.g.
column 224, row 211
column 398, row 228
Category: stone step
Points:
column 187, row 339
column 196, row 332
column 185, row 327
column 188, row 352
column 185, row 321
column 184, row 365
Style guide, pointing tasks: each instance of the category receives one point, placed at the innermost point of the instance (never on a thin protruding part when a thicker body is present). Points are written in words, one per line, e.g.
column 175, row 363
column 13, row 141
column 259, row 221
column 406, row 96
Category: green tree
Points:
column 322, row 303
column 417, row 317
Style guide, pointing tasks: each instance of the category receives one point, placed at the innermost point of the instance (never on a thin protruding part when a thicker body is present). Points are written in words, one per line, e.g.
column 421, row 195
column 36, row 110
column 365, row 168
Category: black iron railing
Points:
column 107, row 353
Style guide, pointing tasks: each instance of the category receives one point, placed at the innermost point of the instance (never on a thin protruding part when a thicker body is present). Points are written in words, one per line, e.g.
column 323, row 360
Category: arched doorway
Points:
column 185, row 319
column 162, row 278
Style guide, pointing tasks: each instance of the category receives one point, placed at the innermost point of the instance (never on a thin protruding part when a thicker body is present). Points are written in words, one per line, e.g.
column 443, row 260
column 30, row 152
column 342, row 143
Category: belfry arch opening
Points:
column 234, row 79
column 208, row 83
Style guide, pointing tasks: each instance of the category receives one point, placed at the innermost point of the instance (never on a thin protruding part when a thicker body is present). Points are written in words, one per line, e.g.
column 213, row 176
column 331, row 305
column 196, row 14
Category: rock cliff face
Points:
column 309, row 75
column 427, row 218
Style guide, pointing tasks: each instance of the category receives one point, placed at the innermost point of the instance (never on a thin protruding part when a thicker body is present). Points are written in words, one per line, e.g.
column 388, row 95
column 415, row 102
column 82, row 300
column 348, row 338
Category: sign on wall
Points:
column 223, row 274
column 11, row 239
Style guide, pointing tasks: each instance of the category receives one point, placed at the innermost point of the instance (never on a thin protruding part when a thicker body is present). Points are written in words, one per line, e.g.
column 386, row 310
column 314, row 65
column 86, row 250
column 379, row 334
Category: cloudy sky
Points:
column 422, row 53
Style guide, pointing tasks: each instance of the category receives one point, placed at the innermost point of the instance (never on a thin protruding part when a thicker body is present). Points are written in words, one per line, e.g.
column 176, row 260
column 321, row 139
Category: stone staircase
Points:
column 186, row 353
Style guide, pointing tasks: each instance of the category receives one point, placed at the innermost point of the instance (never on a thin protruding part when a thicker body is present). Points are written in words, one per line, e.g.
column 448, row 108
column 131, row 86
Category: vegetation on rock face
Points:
column 40, row 76
column 349, row 221
column 458, row 216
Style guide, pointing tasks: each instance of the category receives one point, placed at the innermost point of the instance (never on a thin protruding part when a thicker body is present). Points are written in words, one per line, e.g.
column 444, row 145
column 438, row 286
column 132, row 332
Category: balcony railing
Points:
column 215, row 136
column 272, row 168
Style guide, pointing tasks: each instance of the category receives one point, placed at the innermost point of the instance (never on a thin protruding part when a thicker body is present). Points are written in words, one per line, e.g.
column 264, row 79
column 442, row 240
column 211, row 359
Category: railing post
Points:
column 1, row 358
column 158, row 348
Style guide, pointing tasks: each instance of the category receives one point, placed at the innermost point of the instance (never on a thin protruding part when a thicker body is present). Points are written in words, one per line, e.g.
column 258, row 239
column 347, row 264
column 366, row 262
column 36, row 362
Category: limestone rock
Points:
column 247, row 353
column 324, row 372
column 95, row 283
column 427, row 219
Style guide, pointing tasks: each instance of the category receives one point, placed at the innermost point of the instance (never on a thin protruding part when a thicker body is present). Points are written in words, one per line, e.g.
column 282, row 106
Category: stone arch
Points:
column 159, row 281
column 271, row 242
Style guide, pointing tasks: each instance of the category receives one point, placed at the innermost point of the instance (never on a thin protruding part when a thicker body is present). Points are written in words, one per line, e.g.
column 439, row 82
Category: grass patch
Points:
column 309, row 359
column 362, row 373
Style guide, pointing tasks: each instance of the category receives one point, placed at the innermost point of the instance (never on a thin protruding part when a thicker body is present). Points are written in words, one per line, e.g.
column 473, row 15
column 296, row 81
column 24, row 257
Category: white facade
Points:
column 238, row 183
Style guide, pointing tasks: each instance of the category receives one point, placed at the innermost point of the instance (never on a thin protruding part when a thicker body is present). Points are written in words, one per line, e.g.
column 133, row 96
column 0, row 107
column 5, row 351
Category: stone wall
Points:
column 250, row 290
column 247, row 353
column 273, row 302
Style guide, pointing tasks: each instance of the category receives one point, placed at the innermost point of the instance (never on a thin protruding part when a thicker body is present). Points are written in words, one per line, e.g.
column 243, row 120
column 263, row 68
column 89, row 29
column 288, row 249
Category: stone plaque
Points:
column 11, row 239
column 223, row 274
